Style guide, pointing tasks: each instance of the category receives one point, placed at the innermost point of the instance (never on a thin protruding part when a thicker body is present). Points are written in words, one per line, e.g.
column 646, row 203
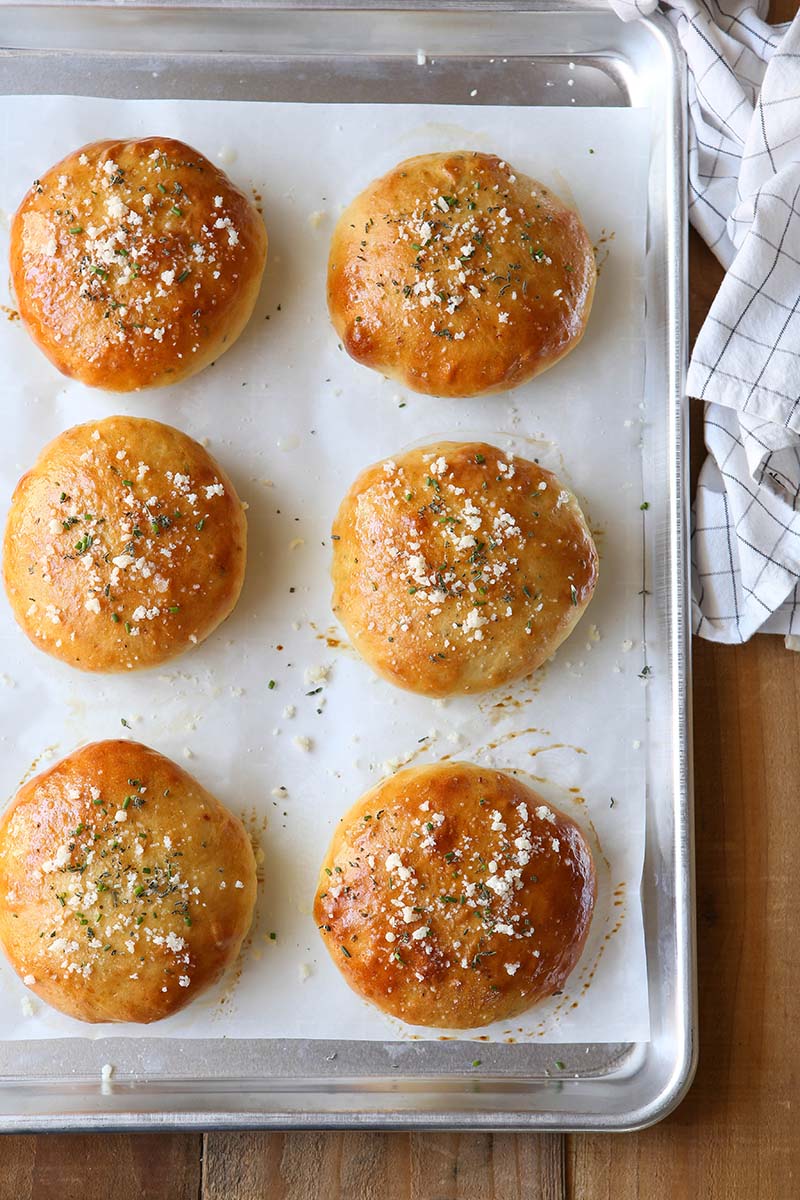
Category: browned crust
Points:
column 502, row 885
column 135, row 263
column 125, row 545
column 457, row 276
column 104, row 931
column 457, row 568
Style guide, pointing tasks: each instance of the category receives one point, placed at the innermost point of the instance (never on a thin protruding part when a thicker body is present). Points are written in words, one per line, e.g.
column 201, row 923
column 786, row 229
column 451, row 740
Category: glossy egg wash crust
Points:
column 457, row 276
column 125, row 545
column 458, row 567
column 135, row 263
column 127, row 889
column 453, row 896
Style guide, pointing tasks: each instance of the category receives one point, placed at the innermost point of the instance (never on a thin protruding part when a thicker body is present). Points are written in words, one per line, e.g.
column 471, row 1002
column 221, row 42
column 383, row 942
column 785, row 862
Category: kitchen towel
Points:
column 744, row 200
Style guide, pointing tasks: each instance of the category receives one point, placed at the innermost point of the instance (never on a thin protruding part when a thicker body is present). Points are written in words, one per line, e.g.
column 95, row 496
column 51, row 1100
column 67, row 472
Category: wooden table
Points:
column 736, row 1136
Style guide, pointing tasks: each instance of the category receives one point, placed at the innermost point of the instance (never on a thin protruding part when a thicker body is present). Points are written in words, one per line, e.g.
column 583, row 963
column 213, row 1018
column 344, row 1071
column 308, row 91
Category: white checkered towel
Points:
column 744, row 185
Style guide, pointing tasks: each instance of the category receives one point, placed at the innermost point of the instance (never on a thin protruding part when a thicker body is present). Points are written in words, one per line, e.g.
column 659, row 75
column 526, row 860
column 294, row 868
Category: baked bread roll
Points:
column 127, row 889
column 457, row 568
column 125, row 545
column 453, row 896
column 135, row 263
column 457, row 276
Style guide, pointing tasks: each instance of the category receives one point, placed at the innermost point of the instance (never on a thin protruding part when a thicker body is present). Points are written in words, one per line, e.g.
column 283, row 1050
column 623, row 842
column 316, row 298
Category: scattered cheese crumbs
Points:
column 29, row 980
column 303, row 971
column 120, row 815
column 106, row 1073
column 27, row 1006
column 512, row 968
column 422, row 58
column 303, row 743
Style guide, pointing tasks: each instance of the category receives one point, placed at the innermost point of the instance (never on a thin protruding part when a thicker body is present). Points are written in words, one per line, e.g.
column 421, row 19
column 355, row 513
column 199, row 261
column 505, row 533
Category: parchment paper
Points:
column 293, row 420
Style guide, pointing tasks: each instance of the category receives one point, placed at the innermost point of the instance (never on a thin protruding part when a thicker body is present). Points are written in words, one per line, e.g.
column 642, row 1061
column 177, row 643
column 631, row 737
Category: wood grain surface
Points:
column 735, row 1137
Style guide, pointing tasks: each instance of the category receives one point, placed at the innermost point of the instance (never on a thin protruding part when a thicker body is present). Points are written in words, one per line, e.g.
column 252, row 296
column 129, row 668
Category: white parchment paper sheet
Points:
column 293, row 420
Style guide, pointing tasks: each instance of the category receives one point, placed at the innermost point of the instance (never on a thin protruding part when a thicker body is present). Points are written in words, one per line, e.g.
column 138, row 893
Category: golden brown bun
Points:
column 457, row 568
column 135, row 263
column 125, row 544
column 454, row 896
column 456, row 276
column 127, row 889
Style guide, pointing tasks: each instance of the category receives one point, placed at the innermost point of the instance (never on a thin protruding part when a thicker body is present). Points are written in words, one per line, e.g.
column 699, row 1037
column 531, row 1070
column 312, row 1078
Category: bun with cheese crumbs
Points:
column 125, row 545
column 457, row 276
column 135, row 263
column 127, row 889
column 453, row 896
column 458, row 567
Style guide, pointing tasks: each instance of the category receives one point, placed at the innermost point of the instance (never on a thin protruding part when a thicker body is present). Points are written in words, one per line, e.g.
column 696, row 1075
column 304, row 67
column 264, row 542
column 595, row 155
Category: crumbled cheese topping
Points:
column 475, row 256
column 112, row 894
column 126, row 536
column 458, row 538
column 126, row 238
column 453, row 888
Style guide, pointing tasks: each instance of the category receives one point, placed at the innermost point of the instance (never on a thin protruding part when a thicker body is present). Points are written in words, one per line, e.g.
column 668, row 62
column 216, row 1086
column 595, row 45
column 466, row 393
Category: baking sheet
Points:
column 293, row 420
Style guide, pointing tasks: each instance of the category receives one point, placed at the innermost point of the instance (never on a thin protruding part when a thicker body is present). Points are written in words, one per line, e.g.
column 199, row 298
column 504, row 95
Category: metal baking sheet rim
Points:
column 192, row 1108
